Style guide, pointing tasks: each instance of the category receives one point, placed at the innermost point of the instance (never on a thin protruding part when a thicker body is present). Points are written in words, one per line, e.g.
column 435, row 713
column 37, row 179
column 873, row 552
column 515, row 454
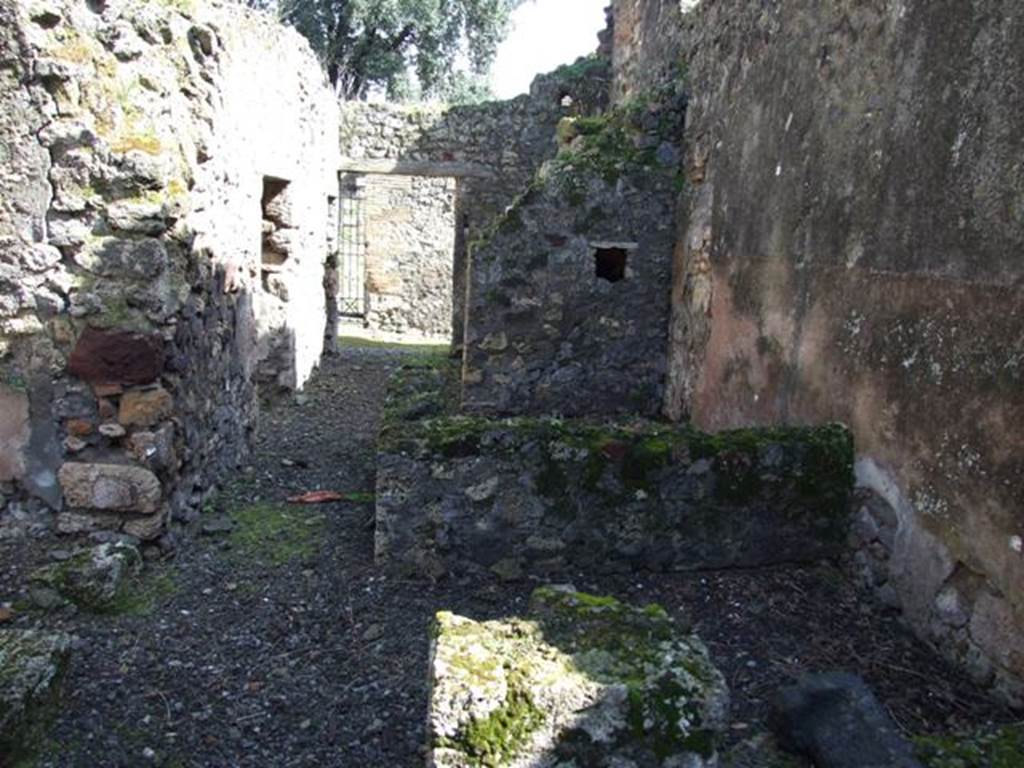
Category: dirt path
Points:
column 279, row 644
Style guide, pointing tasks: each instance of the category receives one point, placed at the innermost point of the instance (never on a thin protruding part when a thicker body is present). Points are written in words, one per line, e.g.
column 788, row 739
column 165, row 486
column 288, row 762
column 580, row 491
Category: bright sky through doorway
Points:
column 546, row 33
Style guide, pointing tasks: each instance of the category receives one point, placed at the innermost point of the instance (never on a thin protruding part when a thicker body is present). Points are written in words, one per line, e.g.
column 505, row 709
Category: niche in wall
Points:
column 610, row 263
column 278, row 227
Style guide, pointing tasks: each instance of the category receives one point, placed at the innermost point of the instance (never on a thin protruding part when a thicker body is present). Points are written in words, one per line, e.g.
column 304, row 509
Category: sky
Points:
column 546, row 33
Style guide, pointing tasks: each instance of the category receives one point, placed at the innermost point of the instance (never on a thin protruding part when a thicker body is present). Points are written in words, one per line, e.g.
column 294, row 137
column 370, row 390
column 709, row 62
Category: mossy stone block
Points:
column 32, row 664
column 581, row 680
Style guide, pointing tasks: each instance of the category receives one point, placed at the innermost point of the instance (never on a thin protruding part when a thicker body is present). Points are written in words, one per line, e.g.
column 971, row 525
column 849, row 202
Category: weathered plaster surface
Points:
column 852, row 251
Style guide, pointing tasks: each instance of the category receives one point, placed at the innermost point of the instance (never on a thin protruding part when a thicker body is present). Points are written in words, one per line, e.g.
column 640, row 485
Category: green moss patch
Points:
column 274, row 535
column 496, row 739
column 995, row 748
column 143, row 594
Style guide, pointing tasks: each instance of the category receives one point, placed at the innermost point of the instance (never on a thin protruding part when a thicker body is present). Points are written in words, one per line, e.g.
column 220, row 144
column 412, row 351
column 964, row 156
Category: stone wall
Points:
column 137, row 138
column 647, row 45
column 569, row 296
column 410, row 251
column 850, row 250
column 492, row 149
column 541, row 496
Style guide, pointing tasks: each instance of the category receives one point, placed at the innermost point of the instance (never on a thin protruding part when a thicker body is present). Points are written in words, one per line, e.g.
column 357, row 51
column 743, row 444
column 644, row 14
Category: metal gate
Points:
column 352, row 253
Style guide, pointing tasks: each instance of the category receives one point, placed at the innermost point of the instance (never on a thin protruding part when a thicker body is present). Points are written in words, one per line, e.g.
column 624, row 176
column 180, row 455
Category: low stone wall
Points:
column 145, row 147
column 536, row 495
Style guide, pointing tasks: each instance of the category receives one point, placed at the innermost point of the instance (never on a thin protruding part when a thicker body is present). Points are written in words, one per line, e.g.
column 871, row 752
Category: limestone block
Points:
column 111, row 488
column 78, row 522
column 582, row 680
column 14, row 432
column 145, row 407
column 144, row 528
column 31, row 666
column 155, row 449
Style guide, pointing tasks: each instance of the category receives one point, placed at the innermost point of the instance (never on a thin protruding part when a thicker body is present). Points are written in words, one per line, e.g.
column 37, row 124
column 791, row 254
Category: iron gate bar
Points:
column 352, row 255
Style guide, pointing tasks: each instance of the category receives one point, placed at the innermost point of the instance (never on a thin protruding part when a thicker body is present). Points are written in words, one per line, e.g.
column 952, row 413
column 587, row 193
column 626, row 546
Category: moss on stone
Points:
column 612, row 642
column 645, row 457
column 32, row 669
column 421, row 411
column 495, row 740
column 603, row 146
column 142, row 141
column 826, row 473
column 592, row 644
column 103, row 580
column 12, row 379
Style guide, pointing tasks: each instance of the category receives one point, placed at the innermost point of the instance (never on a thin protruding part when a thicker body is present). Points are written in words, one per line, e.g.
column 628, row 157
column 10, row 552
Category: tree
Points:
column 368, row 43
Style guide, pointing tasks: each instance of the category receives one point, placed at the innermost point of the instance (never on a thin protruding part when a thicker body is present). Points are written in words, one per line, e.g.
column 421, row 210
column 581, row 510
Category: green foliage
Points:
column 378, row 43
column 584, row 68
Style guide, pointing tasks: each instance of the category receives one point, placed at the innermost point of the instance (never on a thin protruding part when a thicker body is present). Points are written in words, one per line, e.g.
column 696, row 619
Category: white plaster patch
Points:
column 920, row 562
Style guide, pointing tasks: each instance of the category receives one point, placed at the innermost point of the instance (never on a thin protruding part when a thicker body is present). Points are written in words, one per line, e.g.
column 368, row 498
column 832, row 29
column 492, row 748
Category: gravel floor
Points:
column 321, row 660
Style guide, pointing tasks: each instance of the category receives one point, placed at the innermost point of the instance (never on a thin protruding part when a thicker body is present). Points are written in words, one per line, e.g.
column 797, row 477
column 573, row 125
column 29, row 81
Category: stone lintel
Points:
column 415, row 168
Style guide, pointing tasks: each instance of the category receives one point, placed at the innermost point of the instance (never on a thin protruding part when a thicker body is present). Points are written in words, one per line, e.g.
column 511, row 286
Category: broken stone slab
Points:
column 111, row 488
column 582, row 681
column 92, row 579
column 835, row 720
column 32, row 664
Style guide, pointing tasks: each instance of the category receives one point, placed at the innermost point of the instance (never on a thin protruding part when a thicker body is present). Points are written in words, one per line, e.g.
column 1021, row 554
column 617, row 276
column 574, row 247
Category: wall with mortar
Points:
column 568, row 300
column 492, row 149
column 548, row 496
column 136, row 137
column 850, row 249
column 646, row 45
column 409, row 254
